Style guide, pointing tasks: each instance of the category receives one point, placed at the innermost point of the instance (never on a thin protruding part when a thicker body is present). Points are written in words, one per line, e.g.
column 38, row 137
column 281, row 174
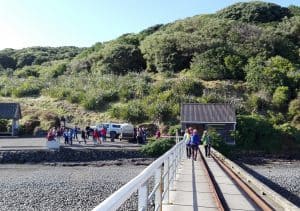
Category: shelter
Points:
column 220, row 116
column 11, row 111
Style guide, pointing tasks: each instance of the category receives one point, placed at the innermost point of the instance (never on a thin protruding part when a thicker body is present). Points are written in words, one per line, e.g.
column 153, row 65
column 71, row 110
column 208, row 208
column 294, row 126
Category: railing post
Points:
column 159, row 191
column 166, row 180
column 143, row 197
column 172, row 169
column 175, row 162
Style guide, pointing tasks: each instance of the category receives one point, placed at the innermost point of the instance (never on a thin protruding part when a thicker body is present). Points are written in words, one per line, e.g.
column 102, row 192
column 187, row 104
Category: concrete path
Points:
column 191, row 190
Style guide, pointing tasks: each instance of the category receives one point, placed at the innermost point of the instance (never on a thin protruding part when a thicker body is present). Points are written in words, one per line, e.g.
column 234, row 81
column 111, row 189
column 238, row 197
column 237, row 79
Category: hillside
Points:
column 247, row 54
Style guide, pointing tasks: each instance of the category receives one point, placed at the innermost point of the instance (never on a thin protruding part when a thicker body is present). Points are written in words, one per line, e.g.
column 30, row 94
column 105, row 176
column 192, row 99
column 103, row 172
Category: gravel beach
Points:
column 63, row 186
column 283, row 176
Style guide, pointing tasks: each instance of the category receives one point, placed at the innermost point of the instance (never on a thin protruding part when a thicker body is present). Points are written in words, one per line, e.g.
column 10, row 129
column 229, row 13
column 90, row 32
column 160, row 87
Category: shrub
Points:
column 3, row 125
column 216, row 138
column 90, row 103
column 156, row 148
column 281, row 97
column 210, row 64
column 27, row 89
column 173, row 129
column 256, row 104
column 75, row 97
column 294, row 107
column 254, row 132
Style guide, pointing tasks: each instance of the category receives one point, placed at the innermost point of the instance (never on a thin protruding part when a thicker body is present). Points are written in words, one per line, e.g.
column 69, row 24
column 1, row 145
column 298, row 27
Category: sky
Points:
column 82, row 23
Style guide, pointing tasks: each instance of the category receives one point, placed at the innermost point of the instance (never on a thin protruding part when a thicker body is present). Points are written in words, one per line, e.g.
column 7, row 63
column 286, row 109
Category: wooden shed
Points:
column 11, row 111
column 203, row 116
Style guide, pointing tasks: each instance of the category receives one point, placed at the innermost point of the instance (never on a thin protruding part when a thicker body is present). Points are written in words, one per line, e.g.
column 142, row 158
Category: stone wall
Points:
column 66, row 155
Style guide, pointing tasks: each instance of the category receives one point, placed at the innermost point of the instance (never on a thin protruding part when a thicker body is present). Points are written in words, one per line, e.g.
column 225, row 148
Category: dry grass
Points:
column 44, row 108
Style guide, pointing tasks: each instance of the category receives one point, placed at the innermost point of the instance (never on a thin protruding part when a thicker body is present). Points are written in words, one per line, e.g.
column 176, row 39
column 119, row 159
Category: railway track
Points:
column 259, row 196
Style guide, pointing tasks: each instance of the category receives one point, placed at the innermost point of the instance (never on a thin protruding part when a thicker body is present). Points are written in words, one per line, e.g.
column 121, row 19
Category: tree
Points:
column 255, row 11
column 234, row 65
column 210, row 64
column 121, row 59
column 270, row 74
column 7, row 61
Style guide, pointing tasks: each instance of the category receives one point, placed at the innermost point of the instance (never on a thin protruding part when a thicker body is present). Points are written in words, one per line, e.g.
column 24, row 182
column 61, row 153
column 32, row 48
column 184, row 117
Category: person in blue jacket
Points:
column 195, row 141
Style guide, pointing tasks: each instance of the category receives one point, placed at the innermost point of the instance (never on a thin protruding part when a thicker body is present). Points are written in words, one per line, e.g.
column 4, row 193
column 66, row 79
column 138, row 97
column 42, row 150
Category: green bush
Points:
column 3, row 125
column 157, row 147
column 173, row 129
column 294, row 107
column 254, row 132
column 256, row 104
column 27, row 89
column 76, row 97
column 281, row 97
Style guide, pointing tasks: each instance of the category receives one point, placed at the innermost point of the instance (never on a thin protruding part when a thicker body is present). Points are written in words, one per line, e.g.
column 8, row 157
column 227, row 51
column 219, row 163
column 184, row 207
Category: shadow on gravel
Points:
column 280, row 190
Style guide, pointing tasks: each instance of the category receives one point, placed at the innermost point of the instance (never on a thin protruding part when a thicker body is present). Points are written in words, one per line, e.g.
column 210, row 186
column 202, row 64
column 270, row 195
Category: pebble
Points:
column 283, row 176
column 47, row 187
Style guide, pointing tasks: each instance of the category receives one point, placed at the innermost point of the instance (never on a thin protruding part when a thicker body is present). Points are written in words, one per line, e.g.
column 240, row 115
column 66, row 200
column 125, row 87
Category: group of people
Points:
column 70, row 134
column 193, row 140
column 99, row 135
column 140, row 134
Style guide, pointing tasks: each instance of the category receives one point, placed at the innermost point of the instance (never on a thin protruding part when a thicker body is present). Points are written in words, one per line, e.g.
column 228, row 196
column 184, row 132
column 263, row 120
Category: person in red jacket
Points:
column 95, row 137
column 103, row 134
column 157, row 134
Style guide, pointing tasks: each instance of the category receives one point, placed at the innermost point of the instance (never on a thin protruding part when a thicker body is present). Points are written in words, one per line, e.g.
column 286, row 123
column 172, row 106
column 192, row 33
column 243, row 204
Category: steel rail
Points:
column 260, row 202
column 218, row 197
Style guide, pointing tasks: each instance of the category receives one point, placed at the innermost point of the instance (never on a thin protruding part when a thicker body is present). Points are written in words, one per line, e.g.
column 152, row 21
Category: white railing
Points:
column 164, row 171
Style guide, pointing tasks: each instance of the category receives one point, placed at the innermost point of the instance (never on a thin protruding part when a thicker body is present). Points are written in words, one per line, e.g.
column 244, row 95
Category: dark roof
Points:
column 10, row 111
column 207, row 113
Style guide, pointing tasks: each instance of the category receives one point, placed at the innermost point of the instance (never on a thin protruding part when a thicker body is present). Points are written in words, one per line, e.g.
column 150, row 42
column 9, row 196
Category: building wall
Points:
column 224, row 130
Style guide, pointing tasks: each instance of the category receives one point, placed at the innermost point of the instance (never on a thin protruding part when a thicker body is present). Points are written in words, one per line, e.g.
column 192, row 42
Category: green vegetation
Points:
column 157, row 147
column 247, row 54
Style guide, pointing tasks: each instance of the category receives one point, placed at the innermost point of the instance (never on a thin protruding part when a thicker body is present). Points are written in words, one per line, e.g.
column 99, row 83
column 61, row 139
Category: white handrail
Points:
column 114, row 201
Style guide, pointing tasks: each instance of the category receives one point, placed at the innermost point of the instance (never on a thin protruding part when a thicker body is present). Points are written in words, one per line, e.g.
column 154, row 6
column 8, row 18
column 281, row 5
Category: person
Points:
column 139, row 135
column 144, row 137
column 76, row 129
column 157, row 134
column 112, row 135
column 70, row 136
column 51, row 134
column 63, row 119
column 88, row 130
column 206, row 142
column 65, row 134
column 95, row 136
column 187, row 141
column 103, row 134
column 195, row 141
column 83, row 136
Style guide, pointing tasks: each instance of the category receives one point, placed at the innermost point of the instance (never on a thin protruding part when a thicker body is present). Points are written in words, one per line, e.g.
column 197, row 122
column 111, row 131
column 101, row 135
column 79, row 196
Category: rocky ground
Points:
column 66, row 186
column 283, row 176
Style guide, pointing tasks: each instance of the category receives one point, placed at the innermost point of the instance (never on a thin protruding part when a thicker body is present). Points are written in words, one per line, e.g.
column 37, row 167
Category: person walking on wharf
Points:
column 207, row 143
column 195, row 141
column 187, row 141
column 83, row 136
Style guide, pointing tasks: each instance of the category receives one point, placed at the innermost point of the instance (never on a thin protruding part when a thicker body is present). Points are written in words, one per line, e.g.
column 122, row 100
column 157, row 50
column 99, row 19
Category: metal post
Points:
column 159, row 191
column 175, row 163
column 166, row 181
column 172, row 168
column 143, row 196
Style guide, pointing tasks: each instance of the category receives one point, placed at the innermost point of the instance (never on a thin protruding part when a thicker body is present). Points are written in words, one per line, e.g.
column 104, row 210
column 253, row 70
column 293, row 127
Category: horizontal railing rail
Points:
column 163, row 170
